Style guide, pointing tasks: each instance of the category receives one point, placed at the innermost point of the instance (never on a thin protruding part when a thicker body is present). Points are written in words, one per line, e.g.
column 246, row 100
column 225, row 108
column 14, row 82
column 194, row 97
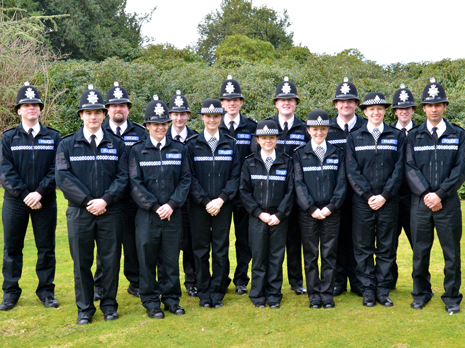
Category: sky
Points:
column 395, row 31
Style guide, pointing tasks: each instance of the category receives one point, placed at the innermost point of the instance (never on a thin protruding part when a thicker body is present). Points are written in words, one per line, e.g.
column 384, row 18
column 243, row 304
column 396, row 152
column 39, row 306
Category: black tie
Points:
column 30, row 134
column 346, row 130
column 285, row 130
column 178, row 138
column 231, row 129
column 435, row 135
column 118, row 131
column 92, row 142
column 158, row 146
column 404, row 131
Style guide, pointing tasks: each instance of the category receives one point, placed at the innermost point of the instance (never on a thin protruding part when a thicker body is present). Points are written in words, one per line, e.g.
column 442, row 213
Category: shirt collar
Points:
column 236, row 120
column 183, row 133
column 162, row 142
column 98, row 135
column 264, row 156
column 409, row 126
column 35, row 129
column 342, row 124
column 123, row 127
column 289, row 122
column 370, row 127
column 441, row 127
column 208, row 136
column 315, row 145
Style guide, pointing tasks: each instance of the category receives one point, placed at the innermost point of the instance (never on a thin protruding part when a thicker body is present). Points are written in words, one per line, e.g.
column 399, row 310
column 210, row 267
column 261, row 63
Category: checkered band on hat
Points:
column 375, row 101
column 212, row 110
column 267, row 131
column 318, row 122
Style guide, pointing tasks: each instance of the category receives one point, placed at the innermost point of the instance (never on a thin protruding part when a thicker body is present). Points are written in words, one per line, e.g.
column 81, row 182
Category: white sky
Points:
column 384, row 31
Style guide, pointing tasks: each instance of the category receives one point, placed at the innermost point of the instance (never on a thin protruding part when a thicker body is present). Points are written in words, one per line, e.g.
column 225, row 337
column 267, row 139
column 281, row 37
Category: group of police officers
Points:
column 344, row 187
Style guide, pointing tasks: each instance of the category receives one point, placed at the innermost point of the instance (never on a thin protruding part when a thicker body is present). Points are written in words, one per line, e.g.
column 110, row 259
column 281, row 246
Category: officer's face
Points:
column 118, row 113
column 92, row 119
column 375, row 114
column 232, row 106
column 404, row 115
column 267, row 142
column 434, row 112
column 158, row 130
column 346, row 108
column 286, row 107
column 318, row 134
column 212, row 122
column 179, row 119
column 29, row 112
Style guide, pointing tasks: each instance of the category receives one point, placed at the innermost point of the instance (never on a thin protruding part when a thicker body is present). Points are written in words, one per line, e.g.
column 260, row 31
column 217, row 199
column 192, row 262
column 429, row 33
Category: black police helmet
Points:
column 434, row 93
column 286, row 90
column 156, row 112
column 403, row 98
column 91, row 100
column 345, row 91
column 117, row 95
column 179, row 103
column 28, row 95
column 230, row 89
column 317, row 118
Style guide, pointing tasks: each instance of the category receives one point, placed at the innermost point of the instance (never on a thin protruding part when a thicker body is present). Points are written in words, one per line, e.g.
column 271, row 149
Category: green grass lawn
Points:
column 238, row 323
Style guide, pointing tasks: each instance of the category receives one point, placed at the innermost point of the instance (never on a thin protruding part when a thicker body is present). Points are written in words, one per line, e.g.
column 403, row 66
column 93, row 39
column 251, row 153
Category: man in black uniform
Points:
column 345, row 101
column 92, row 172
column 293, row 134
column 240, row 128
column 215, row 167
column 118, row 105
column 403, row 104
column 27, row 173
column 435, row 170
column 179, row 131
column 160, row 181
column 375, row 168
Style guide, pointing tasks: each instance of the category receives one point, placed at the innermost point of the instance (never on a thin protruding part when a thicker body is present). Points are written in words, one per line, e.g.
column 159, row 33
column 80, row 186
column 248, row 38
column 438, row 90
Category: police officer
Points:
column 435, row 170
column 240, row 128
column 215, row 167
column 118, row 105
column 320, row 186
column 345, row 101
column 403, row 104
column 375, row 168
column 27, row 173
column 179, row 131
column 92, row 172
column 266, row 189
column 293, row 134
column 160, row 181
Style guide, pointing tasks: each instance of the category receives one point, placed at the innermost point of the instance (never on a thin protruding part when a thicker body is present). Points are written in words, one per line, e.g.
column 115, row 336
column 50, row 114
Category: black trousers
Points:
column 188, row 261
column 211, row 232
column 243, row 252
column 448, row 223
column 294, row 249
column 319, row 235
column 403, row 222
column 156, row 239
column 15, row 217
column 105, row 230
column 374, row 233
column 345, row 260
column 267, row 244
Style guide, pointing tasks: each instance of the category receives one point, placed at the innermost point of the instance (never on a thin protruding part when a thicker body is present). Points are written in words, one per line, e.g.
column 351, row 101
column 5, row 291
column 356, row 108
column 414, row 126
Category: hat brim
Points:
column 346, row 97
column 363, row 107
column 287, row 96
column 119, row 101
column 435, row 101
column 232, row 96
column 173, row 110
column 163, row 120
column 404, row 106
column 30, row 101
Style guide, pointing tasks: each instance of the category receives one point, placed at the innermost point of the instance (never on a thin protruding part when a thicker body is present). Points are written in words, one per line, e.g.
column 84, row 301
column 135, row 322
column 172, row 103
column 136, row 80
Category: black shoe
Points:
column 98, row 294
column 206, row 303
column 83, row 319
column 175, row 309
column 7, row 304
column 274, row 305
column 369, row 299
column 453, row 308
column 417, row 304
column 241, row 290
column 260, row 305
column 218, row 304
column 384, row 300
column 156, row 313
column 191, row 291
column 338, row 290
column 299, row 289
column 328, row 305
column 315, row 305
column 111, row 316
column 132, row 290
column 50, row 302
column 356, row 291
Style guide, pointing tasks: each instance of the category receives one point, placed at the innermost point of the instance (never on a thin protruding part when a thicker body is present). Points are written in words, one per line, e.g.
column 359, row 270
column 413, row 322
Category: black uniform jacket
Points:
column 132, row 134
column 431, row 167
column 28, row 165
column 84, row 174
column 404, row 190
column 243, row 135
column 190, row 132
column 158, row 177
column 337, row 136
column 297, row 135
column 267, row 192
column 374, row 169
column 316, row 185
column 213, row 176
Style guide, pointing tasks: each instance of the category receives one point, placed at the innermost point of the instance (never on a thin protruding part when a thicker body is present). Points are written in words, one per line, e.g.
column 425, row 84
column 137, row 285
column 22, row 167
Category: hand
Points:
column 273, row 221
column 437, row 207
column 37, row 206
column 214, row 207
column 32, row 199
column 265, row 217
column 376, row 202
column 318, row 215
column 165, row 211
column 431, row 200
column 97, row 206
column 325, row 212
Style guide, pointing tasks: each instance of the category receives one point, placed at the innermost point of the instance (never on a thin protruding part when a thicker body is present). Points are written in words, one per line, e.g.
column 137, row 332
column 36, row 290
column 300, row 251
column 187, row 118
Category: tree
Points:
column 237, row 49
column 240, row 17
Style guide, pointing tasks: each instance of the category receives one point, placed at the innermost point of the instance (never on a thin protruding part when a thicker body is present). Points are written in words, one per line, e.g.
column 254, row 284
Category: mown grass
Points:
column 238, row 323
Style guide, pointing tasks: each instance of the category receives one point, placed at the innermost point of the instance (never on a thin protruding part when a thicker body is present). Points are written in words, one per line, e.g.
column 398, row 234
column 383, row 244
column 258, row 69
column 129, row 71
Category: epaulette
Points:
column 191, row 137
column 252, row 119
column 416, row 126
column 250, row 155
column 138, row 124
column 299, row 147
column 285, row 154
column 339, row 147
column 269, row 118
column 9, row 129
column 137, row 142
column 456, row 125
column 177, row 141
column 392, row 127
column 68, row 135
column 230, row 137
column 53, row 129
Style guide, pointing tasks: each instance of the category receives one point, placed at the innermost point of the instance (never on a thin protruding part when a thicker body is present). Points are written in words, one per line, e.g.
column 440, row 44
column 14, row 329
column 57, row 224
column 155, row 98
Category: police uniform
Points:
column 84, row 173
column 27, row 164
column 241, row 129
column 337, row 135
column 320, row 181
column 267, row 191
column 159, row 175
column 289, row 139
column 214, row 175
column 436, row 166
